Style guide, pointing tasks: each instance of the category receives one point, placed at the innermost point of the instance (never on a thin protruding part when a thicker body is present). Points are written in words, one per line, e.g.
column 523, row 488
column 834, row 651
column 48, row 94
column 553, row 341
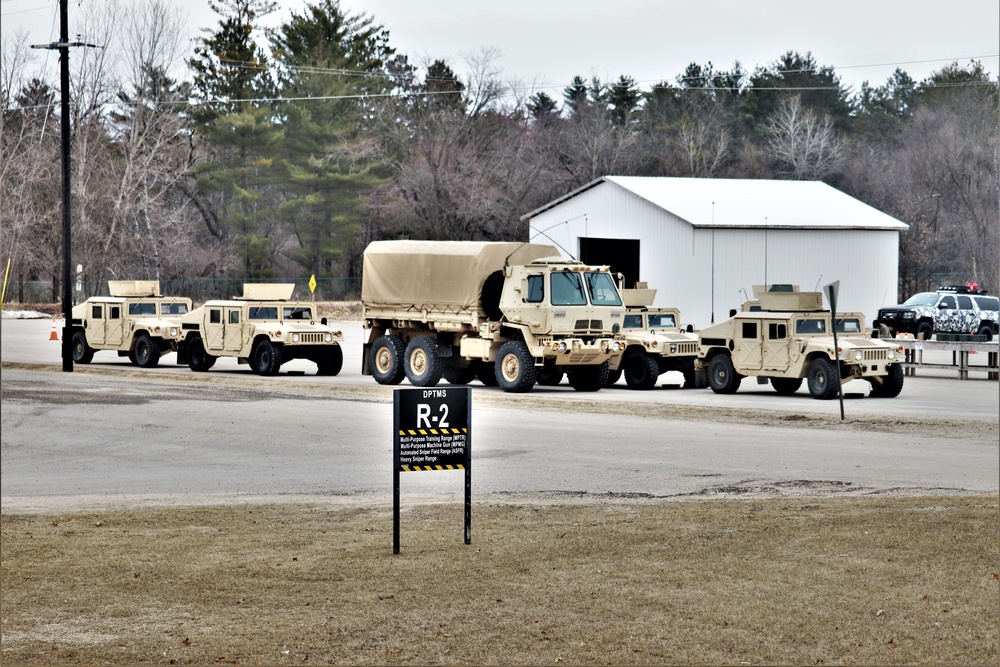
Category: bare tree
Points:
column 806, row 146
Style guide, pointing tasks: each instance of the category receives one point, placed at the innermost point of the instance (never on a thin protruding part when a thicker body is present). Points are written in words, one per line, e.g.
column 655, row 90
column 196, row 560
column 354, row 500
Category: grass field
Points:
column 878, row 580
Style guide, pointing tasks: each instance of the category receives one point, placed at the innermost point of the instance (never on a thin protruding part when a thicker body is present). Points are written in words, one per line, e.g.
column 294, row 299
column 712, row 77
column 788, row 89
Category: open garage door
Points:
column 622, row 255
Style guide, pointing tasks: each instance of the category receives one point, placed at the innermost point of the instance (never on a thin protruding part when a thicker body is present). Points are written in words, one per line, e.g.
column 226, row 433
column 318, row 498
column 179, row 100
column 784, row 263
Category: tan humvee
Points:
column 655, row 342
column 263, row 328
column 785, row 336
column 136, row 321
column 500, row 312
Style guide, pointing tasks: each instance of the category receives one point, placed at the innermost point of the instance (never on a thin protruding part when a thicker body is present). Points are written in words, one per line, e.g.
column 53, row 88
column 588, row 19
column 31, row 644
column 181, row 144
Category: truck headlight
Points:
column 858, row 355
column 673, row 349
column 328, row 338
column 559, row 346
column 908, row 315
column 173, row 332
column 891, row 354
column 295, row 338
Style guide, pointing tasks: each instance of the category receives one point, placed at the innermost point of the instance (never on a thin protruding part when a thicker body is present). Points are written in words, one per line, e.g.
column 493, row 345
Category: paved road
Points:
column 111, row 434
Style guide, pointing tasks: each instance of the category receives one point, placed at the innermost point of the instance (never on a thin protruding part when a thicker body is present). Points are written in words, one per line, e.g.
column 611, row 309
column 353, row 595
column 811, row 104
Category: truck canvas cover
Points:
column 438, row 275
column 134, row 288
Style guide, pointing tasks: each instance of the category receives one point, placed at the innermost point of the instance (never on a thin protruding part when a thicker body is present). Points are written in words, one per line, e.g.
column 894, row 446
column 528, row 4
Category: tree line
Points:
column 283, row 153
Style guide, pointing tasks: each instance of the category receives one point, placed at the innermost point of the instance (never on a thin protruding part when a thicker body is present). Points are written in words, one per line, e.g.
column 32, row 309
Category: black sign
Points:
column 431, row 428
column 431, row 431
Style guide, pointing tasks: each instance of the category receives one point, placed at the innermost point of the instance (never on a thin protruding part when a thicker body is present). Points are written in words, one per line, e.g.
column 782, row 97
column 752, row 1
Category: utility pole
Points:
column 67, row 292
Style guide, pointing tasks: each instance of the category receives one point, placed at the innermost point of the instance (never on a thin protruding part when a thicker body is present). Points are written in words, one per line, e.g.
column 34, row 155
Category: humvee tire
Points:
column 891, row 384
column 786, row 386
column 722, row 377
column 82, row 353
column 515, row 367
column 641, row 370
column 486, row 373
column 614, row 376
column 824, row 379
column 199, row 360
column 588, row 378
column 266, row 357
column 458, row 374
column 386, row 359
column 421, row 362
column 548, row 377
column 489, row 296
column 331, row 362
column 147, row 351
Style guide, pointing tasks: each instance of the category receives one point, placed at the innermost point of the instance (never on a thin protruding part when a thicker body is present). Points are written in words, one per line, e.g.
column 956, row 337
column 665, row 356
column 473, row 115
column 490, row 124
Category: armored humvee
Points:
column 499, row 312
column 787, row 336
column 263, row 328
column 135, row 320
column 654, row 342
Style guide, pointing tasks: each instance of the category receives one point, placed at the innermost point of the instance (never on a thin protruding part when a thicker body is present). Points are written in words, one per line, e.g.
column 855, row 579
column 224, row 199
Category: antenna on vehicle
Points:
column 817, row 282
column 541, row 232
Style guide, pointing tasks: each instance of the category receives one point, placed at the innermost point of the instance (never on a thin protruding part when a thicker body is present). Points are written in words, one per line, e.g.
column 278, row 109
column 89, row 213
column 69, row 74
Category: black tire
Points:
column 515, row 367
column 891, row 384
column 925, row 329
column 459, row 374
column 614, row 376
column 985, row 330
column 786, row 386
column 386, row 359
column 690, row 379
column 422, row 363
column 266, row 357
column 641, row 370
column 489, row 297
column 548, row 376
column 588, row 378
column 722, row 377
column 82, row 352
column 487, row 374
column 331, row 362
column 147, row 351
column 824, row 379
column 199, row 360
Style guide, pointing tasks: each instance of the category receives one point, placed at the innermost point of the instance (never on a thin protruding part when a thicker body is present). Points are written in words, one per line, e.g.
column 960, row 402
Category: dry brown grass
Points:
column 754, row 581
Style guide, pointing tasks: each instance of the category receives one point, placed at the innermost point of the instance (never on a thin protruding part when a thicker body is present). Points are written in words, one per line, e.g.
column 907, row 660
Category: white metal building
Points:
column 703, row 243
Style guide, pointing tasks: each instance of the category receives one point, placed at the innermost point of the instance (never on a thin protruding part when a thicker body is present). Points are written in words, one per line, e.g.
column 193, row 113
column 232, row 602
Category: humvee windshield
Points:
column 263, row 312
column 810, row 326
column 297, row 313
column 142, row 308
column 632, row 322
column 602, row 290
column 567, row 289
column 849, row 325
column 173, row 308
column 661, row 320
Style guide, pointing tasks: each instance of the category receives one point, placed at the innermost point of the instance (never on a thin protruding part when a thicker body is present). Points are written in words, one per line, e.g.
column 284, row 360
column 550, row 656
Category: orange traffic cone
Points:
column 53, row 335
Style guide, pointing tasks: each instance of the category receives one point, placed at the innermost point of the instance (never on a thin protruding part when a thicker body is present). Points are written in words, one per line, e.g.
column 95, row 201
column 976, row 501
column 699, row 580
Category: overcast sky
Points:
column 544, row 43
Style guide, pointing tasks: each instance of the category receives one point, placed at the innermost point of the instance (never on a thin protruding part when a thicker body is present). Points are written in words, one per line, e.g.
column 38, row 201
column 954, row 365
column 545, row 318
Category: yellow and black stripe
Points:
column 434, row 431
column 430, row 468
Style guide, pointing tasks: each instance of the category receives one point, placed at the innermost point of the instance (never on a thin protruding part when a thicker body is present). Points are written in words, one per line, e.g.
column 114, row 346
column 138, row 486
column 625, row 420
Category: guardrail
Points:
column 960, row 350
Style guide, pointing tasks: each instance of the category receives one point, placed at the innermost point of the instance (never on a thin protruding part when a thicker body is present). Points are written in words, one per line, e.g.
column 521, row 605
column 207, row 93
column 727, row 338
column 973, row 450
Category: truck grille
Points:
column 887, row 316
column 687, row 348
column 875, row 355
column 589, row 325
column 311, row 337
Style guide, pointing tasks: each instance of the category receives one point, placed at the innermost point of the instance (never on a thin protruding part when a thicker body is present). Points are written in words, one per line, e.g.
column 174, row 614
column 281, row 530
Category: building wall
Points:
column 705, row 273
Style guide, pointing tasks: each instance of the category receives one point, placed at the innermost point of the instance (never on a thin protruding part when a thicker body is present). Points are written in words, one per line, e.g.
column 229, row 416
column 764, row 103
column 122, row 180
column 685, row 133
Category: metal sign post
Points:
column 432, row 431
column 832, row 290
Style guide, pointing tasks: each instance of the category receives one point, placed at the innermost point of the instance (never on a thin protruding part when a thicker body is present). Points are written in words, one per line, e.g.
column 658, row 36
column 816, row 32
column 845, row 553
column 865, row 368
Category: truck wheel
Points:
column 589, row 378
column 422, row 365
column 985, row 330
column 266, row 357
column 641, row 371
column 459, row 374
column 925, row 329
column 199, row 360
column 690, row 378
column 891, row 384
column 722, row 377
column 489, row 297
column 82, row 353
column 614, row 376
column 487, row 374
column 786, row 386
column 386, row 359
column 147, row 351
column 548, row 377
column 515, row 367
column 331, row 362
column 824, row 380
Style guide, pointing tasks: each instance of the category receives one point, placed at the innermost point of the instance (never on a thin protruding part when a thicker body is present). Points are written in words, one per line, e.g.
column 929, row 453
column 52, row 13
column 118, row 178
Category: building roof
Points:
column 747, row 203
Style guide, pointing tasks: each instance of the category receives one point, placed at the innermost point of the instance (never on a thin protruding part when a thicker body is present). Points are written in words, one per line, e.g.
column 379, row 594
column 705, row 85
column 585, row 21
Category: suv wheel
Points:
column 824, row 379
column 985, row 330
column 925, row 329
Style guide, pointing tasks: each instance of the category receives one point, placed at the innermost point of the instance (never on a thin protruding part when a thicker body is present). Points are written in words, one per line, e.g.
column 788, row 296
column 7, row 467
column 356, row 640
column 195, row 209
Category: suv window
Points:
column 947, row 302
column 923, row 299
column 965, row 303
column 849, row 325
column 987, row 302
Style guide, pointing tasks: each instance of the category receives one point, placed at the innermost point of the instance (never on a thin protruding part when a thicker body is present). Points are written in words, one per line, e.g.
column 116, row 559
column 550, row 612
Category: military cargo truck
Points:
column 499, row 312
column 135, row 321
column 787, row 336
column 263, row 328
column 654, row 341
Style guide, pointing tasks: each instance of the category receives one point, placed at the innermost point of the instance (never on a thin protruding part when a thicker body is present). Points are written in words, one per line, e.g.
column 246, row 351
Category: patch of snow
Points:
column 25, row 315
